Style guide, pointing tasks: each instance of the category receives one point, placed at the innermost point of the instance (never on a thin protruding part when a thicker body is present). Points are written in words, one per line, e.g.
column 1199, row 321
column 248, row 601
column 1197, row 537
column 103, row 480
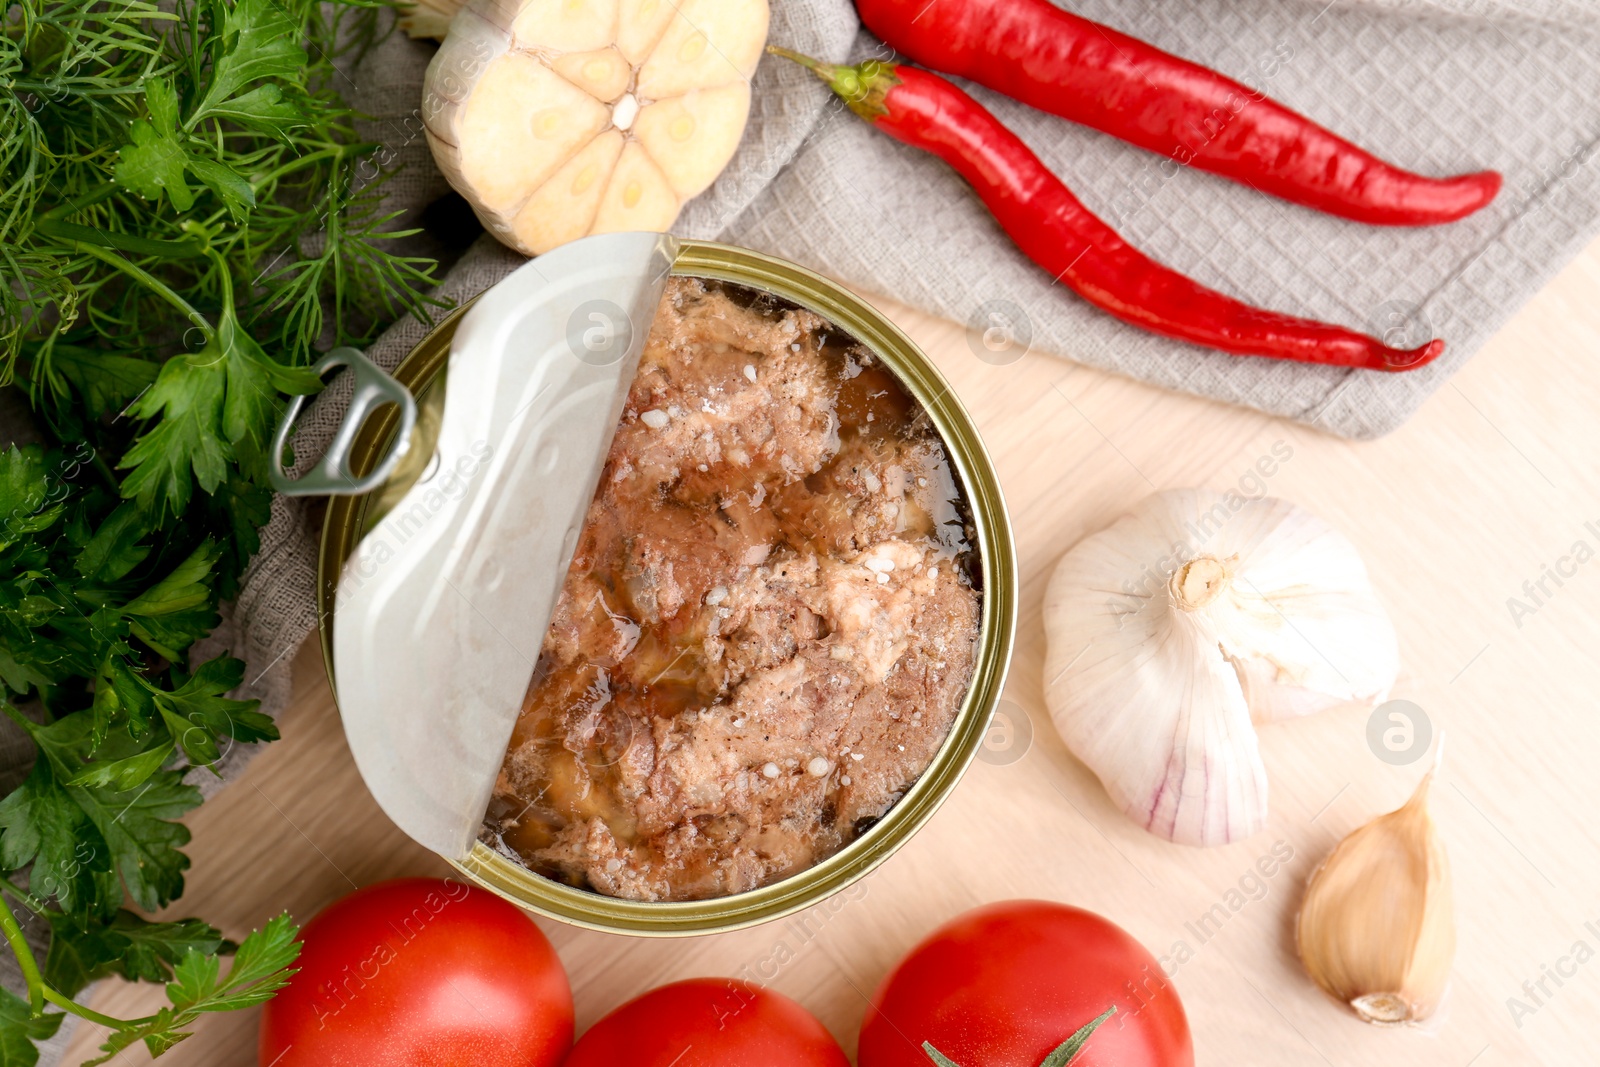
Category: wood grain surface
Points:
column 1491, row 483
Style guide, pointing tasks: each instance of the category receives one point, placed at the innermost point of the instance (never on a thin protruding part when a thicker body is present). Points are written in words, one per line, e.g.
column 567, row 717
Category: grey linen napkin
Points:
column 1433, row 91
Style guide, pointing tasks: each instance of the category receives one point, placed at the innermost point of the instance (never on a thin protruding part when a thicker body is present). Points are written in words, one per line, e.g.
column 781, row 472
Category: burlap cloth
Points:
column 1440, row 86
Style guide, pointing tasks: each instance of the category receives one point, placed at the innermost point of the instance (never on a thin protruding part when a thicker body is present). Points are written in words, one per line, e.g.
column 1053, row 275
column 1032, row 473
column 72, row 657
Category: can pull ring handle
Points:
column 332, row 475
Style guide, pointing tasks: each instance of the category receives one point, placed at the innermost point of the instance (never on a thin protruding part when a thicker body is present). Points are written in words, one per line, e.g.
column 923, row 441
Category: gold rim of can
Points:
column 346, row 522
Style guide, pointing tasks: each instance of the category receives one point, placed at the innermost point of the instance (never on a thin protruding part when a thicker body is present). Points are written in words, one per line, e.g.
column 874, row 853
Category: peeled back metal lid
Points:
column 443, row 606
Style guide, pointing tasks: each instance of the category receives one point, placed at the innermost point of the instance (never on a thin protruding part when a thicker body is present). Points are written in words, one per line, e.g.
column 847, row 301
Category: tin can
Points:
column 422, row 373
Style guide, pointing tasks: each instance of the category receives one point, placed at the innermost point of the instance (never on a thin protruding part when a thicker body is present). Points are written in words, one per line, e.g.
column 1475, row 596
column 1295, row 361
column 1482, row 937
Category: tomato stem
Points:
column 1060, row 1056
column 1069, row 1048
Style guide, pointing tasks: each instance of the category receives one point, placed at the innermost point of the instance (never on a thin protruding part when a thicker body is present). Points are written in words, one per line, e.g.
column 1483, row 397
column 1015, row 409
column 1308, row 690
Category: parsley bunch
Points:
column 183, row 225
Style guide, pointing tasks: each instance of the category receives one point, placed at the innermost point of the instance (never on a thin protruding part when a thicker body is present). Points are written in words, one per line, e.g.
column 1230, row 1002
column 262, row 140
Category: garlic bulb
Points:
column 427, row 18
column 1377, row 928
column 560, row 118
column 1176, row 629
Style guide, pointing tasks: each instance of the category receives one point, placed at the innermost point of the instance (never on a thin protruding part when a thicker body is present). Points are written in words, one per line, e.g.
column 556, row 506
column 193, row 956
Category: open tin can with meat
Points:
column 665, row 588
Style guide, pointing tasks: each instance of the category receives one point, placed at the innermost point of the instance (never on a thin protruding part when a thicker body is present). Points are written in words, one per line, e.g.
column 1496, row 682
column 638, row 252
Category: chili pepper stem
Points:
column 823, row 70
column 861, row 87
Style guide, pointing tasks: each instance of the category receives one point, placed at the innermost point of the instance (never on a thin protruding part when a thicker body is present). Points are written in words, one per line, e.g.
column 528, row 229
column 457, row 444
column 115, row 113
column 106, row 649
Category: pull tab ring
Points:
column 332, row 476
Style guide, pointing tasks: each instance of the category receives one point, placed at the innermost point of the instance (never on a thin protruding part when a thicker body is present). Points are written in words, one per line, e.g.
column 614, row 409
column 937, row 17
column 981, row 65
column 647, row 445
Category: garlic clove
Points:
column 695, row 135
column 1180, row 625
column 1377, row 927
column 521, row 124
column 642, row 22
column 602, row 73
column 565, row 26
column 706, row 44
column 638, row 196
column 564, row 207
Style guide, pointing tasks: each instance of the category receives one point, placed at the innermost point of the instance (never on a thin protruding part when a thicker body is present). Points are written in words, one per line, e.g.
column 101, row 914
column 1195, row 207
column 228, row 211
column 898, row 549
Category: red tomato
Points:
column 708, row 1022
column 1003, row 985
column 421, row 973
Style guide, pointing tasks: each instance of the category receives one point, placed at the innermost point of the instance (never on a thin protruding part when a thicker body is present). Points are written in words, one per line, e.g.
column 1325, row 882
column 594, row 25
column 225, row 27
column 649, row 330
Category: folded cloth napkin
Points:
column 1571, row 12
column 1433, row 91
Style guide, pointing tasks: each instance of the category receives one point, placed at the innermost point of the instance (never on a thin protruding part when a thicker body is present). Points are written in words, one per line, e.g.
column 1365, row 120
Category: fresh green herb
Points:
column 186, row 220
column 260, row 968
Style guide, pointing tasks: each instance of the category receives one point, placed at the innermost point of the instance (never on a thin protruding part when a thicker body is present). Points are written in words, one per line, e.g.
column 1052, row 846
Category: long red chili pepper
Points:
column 1058, row 62
column 1057, row 232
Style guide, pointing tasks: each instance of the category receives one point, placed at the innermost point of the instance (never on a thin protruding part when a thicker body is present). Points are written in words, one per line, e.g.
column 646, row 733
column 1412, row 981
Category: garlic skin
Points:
column 427, row 18
column 1175, row 630
column 1377, row 928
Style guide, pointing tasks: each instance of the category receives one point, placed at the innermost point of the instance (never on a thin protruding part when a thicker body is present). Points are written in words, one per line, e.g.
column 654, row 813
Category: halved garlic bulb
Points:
column 1175, row 630
column 560, row 118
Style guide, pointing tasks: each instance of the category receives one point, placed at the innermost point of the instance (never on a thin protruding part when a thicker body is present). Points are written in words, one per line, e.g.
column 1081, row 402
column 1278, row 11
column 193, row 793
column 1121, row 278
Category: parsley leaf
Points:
column 215, row 405
column 234, row 192
column 121, row 771
column 177, row 611
column 187, row 398
column 115, row 548
column 254, row 384
column 120, row 696
column 130, row 946
column 182, row 147
column 25, row 507
column 239, row 509
column 41, row 824
column 136, row 827
column 105, row 381
column 196, row 711
column 82, row 831
column 19, row 1030
column 263, row 108
column 154, row 162
column 259, row 40
column 261, row 967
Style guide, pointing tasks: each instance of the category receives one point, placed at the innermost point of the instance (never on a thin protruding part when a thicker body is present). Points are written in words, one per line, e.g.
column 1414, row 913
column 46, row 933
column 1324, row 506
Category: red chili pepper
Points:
column 1037, row 53
column 1058, row 233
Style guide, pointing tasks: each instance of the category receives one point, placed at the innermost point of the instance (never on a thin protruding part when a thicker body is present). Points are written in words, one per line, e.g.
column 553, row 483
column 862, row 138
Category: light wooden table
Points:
column 1493, row 481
